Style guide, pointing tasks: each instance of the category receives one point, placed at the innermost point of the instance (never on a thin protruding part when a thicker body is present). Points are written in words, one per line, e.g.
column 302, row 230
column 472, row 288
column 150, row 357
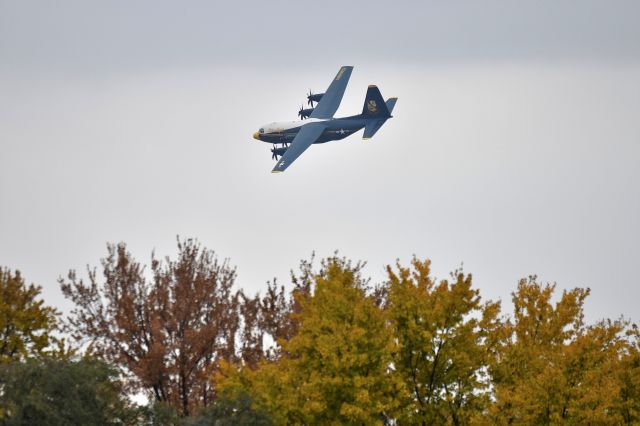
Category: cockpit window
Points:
column 261, row 130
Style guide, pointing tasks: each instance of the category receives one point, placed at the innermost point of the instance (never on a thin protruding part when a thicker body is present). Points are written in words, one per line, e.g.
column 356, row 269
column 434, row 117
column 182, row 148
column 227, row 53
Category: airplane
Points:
column 320, row 126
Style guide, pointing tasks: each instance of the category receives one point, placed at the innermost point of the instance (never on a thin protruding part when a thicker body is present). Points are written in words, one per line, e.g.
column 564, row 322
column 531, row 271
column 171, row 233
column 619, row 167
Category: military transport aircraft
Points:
column 320, row 127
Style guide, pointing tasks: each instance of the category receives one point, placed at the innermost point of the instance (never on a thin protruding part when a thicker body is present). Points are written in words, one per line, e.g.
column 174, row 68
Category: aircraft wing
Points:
column 330, row 101
column 307, row 135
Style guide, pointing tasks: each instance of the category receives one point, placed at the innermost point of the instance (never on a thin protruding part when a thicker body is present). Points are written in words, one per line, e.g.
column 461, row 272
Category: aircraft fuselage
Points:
column 284, row 132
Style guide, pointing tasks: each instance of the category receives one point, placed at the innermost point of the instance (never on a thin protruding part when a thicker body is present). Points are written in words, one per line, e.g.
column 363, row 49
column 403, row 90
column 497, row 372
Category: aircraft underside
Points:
column 333, row 133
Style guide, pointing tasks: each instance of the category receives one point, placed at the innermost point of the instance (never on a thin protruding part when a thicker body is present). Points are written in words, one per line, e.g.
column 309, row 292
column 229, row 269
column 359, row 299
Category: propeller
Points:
column 278, row 152
column 314, row 97
column 304, row 113
column 309, row 100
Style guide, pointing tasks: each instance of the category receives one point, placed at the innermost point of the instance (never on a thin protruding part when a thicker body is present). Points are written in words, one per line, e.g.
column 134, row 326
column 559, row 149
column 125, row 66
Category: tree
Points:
column 169, row 332
column 26, row 323
column 552, row 368
column 335, row 369
column 62, row 392
column 629, row 376
column 230, row 410
column 443, row 341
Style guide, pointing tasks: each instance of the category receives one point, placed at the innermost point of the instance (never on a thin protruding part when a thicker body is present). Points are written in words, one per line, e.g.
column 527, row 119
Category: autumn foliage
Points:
column 169, row 329
column 329, row 348
column 416, row 350
column 26, row 323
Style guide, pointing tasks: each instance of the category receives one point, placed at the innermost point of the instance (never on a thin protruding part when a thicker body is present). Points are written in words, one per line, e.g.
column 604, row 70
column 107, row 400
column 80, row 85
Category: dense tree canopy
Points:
column 169, row 331
column 421, row 351
column 230, row 410
column 552, row 368
column 335, row 368
column 327, row 349
column 26, row 323
column 62, row 392
column 443, row 347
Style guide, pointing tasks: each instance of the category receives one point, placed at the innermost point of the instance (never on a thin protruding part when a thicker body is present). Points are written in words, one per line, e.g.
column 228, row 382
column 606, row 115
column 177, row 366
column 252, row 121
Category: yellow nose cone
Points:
column 256, row 135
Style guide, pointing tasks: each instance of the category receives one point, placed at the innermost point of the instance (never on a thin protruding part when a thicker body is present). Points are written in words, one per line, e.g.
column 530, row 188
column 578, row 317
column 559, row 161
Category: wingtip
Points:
column 276, row 171
column 372, row 85
column 365, row 139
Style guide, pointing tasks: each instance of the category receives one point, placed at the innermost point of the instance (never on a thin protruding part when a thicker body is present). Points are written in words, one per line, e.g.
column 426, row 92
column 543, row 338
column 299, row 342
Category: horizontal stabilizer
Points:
column 372, row 127
column 391, row 102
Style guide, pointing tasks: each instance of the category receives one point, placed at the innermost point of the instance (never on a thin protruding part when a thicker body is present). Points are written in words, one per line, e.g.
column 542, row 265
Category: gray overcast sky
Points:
column 514, row 147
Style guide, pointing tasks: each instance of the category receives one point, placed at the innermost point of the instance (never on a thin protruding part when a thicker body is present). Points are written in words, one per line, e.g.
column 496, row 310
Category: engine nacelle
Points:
column 305, row 113
column 314, row 97
column 278, row 152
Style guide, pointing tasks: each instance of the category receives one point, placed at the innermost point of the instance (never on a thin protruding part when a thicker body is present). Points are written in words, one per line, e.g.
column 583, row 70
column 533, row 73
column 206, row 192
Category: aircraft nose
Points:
column 256, row 135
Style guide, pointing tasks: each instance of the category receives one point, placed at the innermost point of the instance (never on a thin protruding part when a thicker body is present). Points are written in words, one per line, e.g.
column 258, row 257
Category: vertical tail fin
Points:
column 374, row 105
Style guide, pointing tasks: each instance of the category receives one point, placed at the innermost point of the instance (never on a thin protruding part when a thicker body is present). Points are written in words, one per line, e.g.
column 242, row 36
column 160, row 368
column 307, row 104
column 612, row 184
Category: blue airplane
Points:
column 320, row 126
